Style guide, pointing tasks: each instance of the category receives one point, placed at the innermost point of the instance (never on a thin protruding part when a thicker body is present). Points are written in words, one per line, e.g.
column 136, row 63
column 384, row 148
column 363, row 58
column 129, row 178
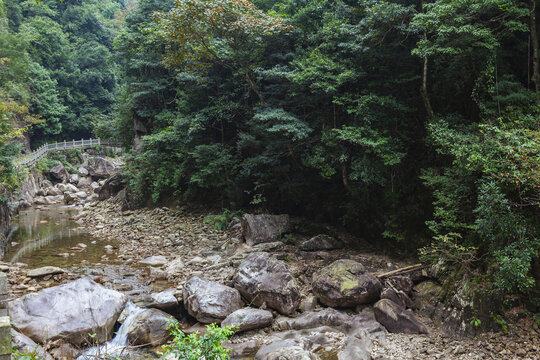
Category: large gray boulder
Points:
column 67, row 188
column 397, row 296
column 53, row 191
column 426, row 295
column 165, row 300
column 59, row 172
column 355, row 349
column 363, row 322
column 175, row 267
column 313, row 319
column 49, row 200
column 248, row 319
column 396, row 319
column 149, row 327
column 264, row 228
column 262, row 279
column 209, row 301
column 69, row 312
column 321, row 243
column 100, row 168
column 84, row 182
column 111, row 187
column 71, row 198
column 346, row 283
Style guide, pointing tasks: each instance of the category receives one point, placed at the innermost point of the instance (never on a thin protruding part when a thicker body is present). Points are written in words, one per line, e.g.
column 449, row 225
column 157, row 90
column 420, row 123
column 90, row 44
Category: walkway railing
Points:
column 37, row 154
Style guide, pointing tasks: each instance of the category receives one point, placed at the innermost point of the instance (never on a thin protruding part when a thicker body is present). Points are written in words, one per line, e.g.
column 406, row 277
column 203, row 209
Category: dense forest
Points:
column 413, row 124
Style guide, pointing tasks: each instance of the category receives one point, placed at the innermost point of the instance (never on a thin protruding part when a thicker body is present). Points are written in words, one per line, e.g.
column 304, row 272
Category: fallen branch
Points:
column 401, row 271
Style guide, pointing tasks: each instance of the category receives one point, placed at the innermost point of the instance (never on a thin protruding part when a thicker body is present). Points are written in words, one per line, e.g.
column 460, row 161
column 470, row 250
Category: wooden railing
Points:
column 30, row 159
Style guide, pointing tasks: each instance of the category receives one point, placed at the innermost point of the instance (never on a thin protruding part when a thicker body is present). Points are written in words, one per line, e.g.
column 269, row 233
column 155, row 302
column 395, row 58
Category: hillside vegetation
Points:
column 413, row 124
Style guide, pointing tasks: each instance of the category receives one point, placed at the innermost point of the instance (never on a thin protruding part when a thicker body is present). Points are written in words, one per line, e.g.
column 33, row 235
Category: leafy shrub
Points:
column 59, row 156
column 16, row 354
column 10, row 177
column 485, row 202
column 288, row 239
column 73, row 155
column 110, row 153
column 448, row 249
column 197, row 347
column 221, row 221
column 45, row 164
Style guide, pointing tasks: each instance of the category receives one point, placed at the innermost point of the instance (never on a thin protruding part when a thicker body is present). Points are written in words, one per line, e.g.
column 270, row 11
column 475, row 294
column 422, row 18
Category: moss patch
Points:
column 348, row 284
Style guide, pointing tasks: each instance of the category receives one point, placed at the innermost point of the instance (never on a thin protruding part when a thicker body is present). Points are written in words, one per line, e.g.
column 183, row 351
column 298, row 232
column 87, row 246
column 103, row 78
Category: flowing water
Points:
column 118, row 346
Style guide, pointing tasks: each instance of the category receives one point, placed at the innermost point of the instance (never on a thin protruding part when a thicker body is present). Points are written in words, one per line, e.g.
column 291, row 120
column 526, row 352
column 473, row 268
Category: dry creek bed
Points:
column 180, row 233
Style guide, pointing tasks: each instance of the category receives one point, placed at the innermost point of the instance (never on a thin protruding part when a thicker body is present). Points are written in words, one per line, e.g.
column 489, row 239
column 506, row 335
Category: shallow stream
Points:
column 50, row 237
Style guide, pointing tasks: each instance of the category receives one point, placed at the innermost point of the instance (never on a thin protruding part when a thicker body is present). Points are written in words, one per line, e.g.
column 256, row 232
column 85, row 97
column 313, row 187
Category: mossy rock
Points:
column 346, row 283
column 5, row 336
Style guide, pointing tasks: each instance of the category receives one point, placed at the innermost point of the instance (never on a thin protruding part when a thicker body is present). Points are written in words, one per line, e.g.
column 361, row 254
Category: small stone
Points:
column 154, row 261
column 309, row 303
column 44, row 271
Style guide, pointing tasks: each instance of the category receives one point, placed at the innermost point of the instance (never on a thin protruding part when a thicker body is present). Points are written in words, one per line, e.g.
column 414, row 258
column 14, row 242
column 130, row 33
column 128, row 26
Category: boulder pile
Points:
column 96, row 178
column 313, row 300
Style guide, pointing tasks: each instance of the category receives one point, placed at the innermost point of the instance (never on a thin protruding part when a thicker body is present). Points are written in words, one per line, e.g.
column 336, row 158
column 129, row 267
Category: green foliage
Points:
column 499, row 320
column 476, row 322
column 313, row 108
column 221, row 221
column 447, row 248
column 288, row 239
column 494, row 163
column 536, row 318
column 10, row 177
column 44, row 164
column 17, row 354
column 63, row 69
column 196, row 347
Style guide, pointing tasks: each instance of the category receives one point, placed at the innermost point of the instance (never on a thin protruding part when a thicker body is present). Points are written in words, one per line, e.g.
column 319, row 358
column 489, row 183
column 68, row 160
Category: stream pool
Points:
column 49, row 237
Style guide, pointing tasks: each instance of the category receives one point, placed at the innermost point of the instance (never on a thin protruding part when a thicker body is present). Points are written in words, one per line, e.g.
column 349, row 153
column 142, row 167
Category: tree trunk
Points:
column 345, row 177
column 425, row 96
column 423, row 90
column 534, row 42
column 253, row 86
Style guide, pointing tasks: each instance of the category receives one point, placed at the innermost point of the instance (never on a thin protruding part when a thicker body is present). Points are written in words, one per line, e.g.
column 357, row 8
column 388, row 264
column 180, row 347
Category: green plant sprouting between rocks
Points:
column 221, row 221
column 197, row 346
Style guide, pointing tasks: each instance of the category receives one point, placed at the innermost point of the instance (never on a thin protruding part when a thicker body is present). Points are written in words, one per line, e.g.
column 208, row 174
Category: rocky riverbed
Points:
column 168, row 248
column 313, row 296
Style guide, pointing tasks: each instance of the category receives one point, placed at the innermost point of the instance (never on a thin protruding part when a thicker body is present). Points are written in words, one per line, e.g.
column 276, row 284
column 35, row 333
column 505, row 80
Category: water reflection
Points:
column 44, row 237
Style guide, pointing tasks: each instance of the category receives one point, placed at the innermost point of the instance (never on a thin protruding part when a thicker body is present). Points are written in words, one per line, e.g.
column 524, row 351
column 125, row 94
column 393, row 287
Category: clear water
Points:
column 43, row 237
column 118, row 346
